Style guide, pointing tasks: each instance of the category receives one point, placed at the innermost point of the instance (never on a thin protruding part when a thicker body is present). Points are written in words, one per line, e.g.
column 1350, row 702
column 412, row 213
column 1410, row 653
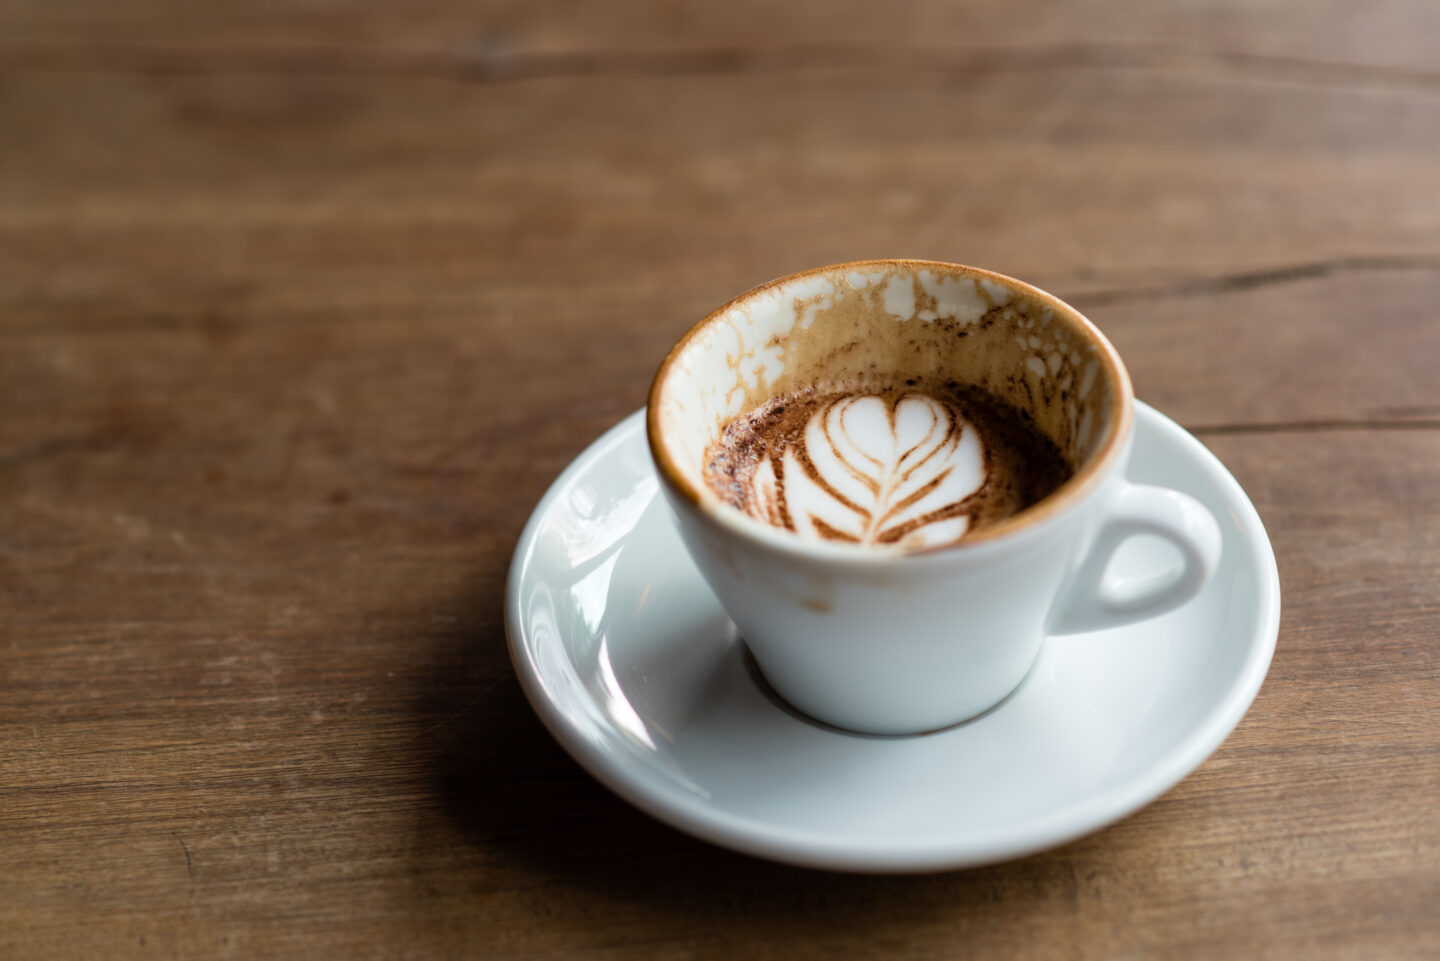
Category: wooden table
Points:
column 302, row 306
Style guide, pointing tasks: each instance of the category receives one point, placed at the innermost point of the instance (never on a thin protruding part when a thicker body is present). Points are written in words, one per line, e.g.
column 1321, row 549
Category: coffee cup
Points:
column 899, row 477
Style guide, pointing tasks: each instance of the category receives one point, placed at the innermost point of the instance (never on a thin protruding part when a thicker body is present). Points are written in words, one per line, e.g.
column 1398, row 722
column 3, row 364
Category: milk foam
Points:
column 878, row 472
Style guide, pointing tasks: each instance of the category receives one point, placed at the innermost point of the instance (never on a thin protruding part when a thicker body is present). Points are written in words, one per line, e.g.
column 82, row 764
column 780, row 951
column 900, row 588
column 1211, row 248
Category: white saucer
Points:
column 629, row 661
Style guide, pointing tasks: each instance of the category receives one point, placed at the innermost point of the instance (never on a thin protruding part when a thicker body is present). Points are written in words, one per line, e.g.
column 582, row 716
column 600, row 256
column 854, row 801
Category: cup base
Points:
column 763, row 685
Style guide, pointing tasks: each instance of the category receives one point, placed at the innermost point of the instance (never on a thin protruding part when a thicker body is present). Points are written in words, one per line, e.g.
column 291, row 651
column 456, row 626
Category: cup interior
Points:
column 882, row 324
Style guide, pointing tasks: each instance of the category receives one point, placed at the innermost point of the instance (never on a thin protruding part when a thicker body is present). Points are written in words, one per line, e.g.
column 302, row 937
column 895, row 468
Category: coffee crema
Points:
column 893, row 468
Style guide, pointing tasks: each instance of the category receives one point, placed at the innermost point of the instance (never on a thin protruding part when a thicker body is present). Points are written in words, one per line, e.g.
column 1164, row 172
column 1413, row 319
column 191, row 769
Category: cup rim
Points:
column 1080, row 485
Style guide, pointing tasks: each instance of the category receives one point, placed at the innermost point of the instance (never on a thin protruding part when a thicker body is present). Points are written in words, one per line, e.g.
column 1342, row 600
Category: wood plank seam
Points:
column 495, row 62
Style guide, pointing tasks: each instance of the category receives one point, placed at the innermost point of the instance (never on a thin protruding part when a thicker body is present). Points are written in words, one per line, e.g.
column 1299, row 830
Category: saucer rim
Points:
column 672, row 805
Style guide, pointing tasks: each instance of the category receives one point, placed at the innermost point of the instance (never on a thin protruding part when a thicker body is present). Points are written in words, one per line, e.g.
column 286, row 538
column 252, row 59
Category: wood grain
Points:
column 1392, row 39
column 355, row 773
column 302, row 309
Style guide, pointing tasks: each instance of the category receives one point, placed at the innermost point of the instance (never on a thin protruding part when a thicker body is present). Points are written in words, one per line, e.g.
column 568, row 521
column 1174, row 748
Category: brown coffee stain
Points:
column 820, row 605
column 1011, row 341
column 852, row 337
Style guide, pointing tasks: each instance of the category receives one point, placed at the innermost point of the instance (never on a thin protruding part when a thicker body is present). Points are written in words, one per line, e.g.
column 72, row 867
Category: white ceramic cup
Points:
column 882, row 641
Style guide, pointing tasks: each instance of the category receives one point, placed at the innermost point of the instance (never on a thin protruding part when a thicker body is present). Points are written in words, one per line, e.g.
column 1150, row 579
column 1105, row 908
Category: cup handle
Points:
column 1096, row 601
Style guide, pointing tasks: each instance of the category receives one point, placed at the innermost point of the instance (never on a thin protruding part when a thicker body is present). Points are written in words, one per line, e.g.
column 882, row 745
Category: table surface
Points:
column 302, row 307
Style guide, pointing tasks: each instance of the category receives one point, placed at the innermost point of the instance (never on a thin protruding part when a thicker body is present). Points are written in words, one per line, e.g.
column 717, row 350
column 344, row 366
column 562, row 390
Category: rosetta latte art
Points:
column 892, row 469
column 873, row 472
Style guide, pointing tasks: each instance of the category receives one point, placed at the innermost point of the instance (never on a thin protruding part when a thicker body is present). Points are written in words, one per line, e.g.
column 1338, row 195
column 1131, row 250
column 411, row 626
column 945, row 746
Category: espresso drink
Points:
column 890, row 467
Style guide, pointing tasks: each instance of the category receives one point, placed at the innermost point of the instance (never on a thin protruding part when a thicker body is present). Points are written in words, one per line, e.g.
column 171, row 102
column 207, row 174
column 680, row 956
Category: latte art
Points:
column 876, row 473
column 896, row 469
